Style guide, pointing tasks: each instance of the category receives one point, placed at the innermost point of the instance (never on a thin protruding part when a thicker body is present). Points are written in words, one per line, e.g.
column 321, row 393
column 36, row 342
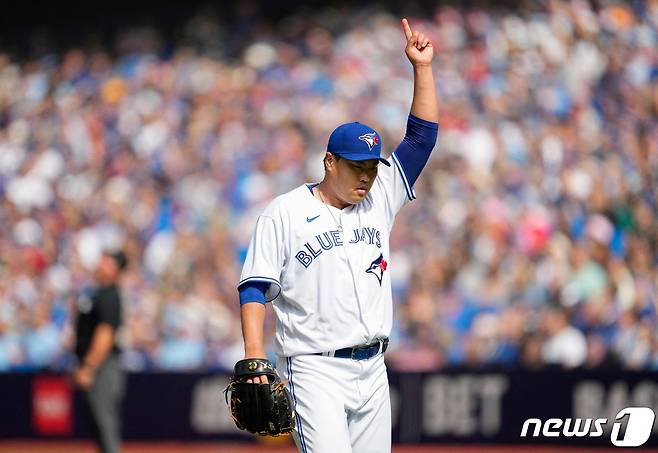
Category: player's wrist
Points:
column 88, row 366
column 255, row 353
column 89, row 369
column 422, row 66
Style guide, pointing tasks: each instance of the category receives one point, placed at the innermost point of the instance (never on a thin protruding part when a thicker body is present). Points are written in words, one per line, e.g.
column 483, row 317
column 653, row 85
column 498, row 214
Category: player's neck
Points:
column 327, row 196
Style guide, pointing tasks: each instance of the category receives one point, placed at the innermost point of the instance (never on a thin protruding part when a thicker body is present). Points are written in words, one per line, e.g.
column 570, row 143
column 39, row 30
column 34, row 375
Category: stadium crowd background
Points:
column 532, row 242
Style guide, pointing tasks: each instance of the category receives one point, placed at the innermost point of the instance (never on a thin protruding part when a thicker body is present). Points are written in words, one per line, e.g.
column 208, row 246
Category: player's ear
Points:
column 329, row 161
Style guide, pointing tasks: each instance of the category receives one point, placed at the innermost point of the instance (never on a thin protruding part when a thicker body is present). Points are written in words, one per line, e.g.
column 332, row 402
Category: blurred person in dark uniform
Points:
column 98, row 373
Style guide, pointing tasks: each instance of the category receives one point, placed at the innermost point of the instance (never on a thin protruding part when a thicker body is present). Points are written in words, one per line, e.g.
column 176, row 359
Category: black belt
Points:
column 360, row 352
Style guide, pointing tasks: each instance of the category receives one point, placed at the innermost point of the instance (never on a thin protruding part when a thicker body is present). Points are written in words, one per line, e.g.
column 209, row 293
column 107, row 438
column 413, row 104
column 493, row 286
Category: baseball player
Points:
column 320, row 254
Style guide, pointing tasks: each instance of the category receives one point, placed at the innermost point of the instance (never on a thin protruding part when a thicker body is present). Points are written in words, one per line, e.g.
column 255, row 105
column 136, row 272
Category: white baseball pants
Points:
column 343, row 405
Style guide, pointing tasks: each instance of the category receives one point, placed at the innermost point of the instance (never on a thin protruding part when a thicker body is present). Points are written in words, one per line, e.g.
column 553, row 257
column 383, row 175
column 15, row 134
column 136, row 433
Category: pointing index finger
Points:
column 407, row 29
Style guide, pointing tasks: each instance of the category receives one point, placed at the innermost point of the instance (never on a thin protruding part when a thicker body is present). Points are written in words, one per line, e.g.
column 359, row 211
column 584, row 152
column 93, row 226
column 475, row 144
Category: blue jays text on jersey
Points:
column 330, row 239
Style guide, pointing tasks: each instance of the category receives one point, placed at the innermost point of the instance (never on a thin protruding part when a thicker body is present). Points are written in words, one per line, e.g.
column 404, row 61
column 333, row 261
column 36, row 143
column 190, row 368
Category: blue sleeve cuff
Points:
column 422, row 122
column 253, row 291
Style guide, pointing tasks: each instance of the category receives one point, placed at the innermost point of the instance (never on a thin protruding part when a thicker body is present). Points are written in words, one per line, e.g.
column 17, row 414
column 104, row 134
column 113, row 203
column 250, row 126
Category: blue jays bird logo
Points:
column 370, row 138
column 377, row 268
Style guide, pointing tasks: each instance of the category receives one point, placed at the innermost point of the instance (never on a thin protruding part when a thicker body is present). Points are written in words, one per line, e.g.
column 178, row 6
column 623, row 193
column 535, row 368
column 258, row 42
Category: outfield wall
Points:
column 448, row 407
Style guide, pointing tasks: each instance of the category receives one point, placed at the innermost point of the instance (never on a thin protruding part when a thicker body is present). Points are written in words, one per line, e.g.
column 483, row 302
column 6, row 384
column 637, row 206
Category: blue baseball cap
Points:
column 356, row 141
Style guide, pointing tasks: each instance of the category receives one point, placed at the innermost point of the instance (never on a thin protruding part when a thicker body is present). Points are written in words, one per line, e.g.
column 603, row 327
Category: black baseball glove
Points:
column 265, row 409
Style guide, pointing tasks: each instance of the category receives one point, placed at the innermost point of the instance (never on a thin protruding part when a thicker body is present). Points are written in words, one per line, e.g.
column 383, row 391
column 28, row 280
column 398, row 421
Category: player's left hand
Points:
column 83, row 377
column 419, row 48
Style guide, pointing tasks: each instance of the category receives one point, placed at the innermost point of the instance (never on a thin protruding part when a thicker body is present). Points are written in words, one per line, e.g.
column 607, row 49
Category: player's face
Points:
column 354, row 179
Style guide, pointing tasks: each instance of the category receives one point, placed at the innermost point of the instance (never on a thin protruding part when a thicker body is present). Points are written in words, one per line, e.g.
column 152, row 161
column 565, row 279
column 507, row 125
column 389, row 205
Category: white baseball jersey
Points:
column 328, row 268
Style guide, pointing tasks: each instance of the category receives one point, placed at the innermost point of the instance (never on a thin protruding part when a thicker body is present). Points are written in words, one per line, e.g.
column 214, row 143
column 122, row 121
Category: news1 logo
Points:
column 633, row 433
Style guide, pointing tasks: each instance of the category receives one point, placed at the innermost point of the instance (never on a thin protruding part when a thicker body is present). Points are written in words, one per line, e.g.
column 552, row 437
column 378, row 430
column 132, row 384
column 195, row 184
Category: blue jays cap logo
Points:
column 370, row 138
column 346, row 141
column 377, row 268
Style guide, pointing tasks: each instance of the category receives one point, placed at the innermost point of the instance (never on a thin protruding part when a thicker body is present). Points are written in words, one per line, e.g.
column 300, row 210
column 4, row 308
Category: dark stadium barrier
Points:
column 447, row 407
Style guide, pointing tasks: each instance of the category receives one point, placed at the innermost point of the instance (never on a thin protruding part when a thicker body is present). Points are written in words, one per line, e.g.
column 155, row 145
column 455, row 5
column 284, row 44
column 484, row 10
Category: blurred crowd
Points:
column 532, row 242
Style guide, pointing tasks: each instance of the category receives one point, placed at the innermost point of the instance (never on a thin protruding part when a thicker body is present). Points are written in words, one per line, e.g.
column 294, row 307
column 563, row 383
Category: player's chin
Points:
column 358, row 195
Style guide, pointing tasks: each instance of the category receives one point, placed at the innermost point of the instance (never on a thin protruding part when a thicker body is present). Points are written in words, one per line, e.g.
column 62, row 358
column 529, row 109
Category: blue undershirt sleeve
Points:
column 253, row 291
column 416, row 146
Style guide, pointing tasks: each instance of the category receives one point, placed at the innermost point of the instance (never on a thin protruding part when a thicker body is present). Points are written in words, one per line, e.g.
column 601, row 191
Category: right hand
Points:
column 83, row 377
column 262, row 379
column 419, row 48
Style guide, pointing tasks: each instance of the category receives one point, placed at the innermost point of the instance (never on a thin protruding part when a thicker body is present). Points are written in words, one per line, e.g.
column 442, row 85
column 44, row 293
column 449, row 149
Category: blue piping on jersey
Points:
column 411, row 194
column 294, row 397
column 263, row 279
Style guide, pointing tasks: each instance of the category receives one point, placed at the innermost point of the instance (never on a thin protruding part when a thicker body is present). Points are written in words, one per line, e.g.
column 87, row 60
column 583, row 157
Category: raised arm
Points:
column 420, row 52
column 413, row 152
